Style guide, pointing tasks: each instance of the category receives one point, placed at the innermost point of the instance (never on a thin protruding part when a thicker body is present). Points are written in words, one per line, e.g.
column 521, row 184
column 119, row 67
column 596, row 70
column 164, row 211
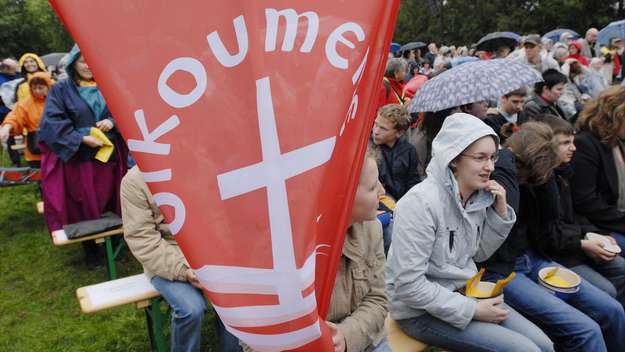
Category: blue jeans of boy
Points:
column 574, row 325
column 188, row 308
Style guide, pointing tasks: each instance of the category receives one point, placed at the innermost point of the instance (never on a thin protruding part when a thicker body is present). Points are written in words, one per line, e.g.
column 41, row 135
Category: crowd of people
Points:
column 531, row 180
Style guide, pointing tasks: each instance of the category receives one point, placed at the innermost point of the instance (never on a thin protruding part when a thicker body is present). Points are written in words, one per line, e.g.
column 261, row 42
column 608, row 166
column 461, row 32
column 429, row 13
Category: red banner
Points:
column 249, row 120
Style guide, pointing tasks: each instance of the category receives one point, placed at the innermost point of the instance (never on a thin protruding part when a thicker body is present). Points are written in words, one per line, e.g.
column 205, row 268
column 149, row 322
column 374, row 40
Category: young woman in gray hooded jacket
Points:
column 457, row 216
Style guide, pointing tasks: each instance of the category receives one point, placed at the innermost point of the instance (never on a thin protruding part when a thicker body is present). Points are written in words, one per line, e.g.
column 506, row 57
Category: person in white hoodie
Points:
column 458, row 215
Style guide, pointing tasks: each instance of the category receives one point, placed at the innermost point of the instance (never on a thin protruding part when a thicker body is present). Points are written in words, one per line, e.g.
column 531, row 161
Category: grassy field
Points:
column 38, row 307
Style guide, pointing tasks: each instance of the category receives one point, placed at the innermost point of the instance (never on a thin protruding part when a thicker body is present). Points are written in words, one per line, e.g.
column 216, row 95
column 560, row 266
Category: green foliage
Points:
column 462, row 22
column 31, row 26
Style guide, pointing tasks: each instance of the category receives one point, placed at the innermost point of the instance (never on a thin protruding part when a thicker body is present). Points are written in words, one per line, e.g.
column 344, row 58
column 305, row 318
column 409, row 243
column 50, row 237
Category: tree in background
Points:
column 31, row 26
column 462, row 22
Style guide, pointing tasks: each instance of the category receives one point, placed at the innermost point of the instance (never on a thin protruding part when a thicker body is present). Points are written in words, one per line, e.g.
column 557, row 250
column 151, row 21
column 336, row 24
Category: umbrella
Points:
column 493, row 41
column 52, row 58
column 413, row 46
column 555, row 34
column 613, row 30
column 472, row 82
column 395, row 47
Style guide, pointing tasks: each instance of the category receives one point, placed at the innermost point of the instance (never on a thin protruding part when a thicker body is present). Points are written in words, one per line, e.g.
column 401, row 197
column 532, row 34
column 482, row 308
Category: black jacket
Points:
column 398, row 168
column 497, row 121
column 537, row 220
column 565, row 245
column 537, row 106
column 594, row 185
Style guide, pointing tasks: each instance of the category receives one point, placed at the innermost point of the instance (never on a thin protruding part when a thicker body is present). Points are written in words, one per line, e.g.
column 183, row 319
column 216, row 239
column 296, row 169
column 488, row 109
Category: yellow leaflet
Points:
column 105, row 152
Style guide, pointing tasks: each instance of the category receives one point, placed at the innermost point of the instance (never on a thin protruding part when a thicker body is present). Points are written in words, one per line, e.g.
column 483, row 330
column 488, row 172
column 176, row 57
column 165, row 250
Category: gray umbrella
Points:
column 473, row 82
column 52, row 58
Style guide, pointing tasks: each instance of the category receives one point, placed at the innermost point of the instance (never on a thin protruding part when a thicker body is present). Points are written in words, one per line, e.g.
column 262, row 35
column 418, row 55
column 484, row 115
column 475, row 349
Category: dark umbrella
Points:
column 493, row 41
column 555, row 34
column 52, row 58
column 413, row 46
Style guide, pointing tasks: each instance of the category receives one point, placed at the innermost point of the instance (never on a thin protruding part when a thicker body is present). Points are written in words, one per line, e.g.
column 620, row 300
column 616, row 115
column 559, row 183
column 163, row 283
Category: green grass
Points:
column 38, row 306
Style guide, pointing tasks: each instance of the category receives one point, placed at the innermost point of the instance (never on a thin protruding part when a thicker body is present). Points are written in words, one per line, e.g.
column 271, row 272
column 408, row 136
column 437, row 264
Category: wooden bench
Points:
column 135, row 290
column 59, row 238
column 399, row 341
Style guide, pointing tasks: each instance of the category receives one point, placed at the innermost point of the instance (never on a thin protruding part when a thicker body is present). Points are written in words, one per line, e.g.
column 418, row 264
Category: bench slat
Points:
column 115, row 293
column 59, row 237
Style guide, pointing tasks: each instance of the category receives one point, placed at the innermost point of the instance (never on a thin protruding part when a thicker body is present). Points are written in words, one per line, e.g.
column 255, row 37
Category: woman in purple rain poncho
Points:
column 75, row 185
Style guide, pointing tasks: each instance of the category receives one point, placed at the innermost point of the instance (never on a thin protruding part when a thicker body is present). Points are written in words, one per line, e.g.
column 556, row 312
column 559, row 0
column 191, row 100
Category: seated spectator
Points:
column 29, row 64
column 392, row 87
column 589, row 42
column 478, row 109
column 567, row 243
column 534, row 56
column 398, row 160
column 598, row 182
column 426, row 131
column 596, row 81
column 575, row 49
column 546, row 95
column 8, row 69
column 76, row 186
column 454, row 216
column 398, row 164
column 152, row 243
column 509, row 114
column 359, row 305
column 560, row 54
column 577, row 323
column 26, row 117
column 575, row 91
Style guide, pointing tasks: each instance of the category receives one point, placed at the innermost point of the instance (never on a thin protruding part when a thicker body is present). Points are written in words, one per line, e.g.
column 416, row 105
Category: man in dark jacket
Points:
column 509, row 114
column 546, row 95
column 398, row 160
column 568, row 242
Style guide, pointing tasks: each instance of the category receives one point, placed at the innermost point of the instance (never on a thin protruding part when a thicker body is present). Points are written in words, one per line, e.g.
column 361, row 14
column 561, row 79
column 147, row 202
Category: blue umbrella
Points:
column 613, row 30
column 555, row 34
column 472, row 82
column 395, row 47
column 493, row 41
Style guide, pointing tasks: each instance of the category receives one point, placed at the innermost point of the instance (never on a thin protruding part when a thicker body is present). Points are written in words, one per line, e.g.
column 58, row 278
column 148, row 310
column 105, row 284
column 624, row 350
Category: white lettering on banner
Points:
column 149, row 144
column 353, row 106
column 165, row 198
column 292, row 23
column 284, row 279
column 173, row 98
column 157, row 176
column 220, row 51
column 335, row 37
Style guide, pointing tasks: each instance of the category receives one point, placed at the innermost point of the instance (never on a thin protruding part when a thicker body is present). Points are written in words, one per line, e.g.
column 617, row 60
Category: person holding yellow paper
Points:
column 83, row 155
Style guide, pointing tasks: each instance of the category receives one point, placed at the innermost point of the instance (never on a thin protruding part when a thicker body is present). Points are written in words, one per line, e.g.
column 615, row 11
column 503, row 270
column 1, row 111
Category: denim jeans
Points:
column 188, row 308
column 515, row 334
column 607, row 276
column 565, row 322
column 383, row 346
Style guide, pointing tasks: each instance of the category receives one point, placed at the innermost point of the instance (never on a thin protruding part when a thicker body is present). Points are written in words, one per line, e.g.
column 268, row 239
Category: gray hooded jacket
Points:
column 436, row 240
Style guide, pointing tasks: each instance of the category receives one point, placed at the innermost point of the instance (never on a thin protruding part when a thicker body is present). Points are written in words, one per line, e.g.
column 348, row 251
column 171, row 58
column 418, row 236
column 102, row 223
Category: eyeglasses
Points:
column 482, row 158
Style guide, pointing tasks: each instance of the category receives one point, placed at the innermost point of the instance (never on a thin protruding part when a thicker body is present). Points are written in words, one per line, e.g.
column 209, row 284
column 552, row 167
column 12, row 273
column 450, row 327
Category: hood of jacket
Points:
column 40, row 64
